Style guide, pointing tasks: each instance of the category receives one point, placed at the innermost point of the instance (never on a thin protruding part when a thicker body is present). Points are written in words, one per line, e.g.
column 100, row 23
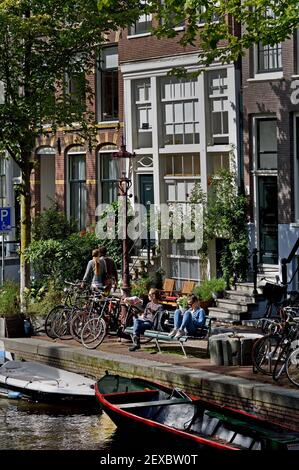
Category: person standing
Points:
column 96, row 270
column 190, row 320
column 111, row 271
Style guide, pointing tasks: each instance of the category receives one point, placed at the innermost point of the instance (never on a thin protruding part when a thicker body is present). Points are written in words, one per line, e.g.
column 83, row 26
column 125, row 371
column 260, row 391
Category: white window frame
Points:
column 173, row 100
column 100, row 155
column 69, row 154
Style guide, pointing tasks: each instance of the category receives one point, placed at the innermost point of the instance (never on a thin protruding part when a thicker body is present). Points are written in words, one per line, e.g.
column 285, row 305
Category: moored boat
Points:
column 154, row 407
column 41, row 382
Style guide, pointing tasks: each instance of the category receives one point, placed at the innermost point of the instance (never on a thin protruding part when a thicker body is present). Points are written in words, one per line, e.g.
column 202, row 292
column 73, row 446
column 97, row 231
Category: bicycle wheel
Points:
column 292, row 367
column 77, row 322
column 61, row 323
column 93, row 333
column 264, row 353
column 50, row 320
column 280, row 363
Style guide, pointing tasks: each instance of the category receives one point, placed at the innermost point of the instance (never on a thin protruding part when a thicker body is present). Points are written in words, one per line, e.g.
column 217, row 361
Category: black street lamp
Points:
column 124, row 184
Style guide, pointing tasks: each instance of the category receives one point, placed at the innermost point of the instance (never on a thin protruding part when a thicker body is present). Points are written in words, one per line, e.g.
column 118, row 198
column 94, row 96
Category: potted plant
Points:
column 12, row 321
column 140, row 288
column 183, row 303
column 208, row 290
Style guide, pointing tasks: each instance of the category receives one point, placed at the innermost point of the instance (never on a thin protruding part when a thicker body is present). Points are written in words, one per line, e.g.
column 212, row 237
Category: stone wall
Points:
column 269, row 401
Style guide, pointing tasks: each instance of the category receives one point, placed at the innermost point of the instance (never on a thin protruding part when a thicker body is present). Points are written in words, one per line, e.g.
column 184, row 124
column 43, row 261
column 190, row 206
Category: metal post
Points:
column 148, row 235
column 284, row 271
column 3, row 265
column 254, row 269
column 124, row 186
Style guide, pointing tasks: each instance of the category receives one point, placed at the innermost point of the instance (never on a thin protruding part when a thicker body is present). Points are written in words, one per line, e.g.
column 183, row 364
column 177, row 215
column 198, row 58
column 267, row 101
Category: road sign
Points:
column 5, row 219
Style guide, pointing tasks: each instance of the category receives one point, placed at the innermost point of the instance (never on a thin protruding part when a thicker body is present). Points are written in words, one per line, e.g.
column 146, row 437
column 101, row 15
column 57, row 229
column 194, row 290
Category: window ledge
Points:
column 135, row 36
column 262, row 77
column 295, row 224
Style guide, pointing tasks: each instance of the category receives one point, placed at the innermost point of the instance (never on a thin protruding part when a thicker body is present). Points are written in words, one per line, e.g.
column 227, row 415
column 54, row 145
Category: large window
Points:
column 108, row 102
column 142, row 25
column 218, row 106
column 3, row 194
column 266, row 144
column 143, row 109
column 109, row 174
column 180, row 111
column 269, row 58
column 77, row 187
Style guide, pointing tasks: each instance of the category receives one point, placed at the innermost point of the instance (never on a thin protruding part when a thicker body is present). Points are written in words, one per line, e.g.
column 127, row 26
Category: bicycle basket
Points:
column 273, row 292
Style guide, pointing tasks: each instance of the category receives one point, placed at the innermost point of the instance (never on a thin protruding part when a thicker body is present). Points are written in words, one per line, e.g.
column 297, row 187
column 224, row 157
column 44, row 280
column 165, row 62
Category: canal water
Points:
column 36, row 426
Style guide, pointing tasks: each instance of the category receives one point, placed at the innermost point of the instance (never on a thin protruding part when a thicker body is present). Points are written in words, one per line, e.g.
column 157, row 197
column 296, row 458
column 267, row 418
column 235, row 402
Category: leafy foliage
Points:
column 41, row 300
column 183, row 301
column 141, row 287
column 60, row 260
column 52, row 224
column 224, row 216
column 9, row 299
column 208, row 287
column 206, row 23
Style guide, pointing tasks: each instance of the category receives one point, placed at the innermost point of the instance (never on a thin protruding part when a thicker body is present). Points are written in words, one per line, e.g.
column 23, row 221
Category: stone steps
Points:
column 238, row 305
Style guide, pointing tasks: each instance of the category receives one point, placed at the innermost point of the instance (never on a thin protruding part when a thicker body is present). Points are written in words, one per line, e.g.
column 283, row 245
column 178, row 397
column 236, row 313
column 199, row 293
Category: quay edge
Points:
column 270, row 401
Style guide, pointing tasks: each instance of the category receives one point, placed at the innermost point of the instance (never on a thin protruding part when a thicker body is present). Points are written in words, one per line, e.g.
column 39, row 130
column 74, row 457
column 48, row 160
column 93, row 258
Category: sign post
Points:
column 5, row 226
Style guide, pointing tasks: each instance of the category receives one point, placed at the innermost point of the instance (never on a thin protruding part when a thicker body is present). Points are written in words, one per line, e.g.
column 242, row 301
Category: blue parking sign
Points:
column 5, row 219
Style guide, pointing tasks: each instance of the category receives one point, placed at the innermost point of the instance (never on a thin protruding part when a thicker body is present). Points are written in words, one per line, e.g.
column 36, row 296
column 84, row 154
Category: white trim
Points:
column 184, row 148
column 296, row 169
column 181, row 177
column 153, row 65
column 141, row 35
column 155, row 142
column 261, row 77
column 219, row 148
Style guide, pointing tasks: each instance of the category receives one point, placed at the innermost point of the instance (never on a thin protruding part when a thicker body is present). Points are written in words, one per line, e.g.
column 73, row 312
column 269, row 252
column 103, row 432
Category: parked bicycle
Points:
column 57, row 323
column 269, row 352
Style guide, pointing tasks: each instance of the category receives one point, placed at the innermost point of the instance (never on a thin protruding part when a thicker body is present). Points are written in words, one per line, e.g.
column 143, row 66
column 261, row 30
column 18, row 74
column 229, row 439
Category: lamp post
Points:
column 124, row 184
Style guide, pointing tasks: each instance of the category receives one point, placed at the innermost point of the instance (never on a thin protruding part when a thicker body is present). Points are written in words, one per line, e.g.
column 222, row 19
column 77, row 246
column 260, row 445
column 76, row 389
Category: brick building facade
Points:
column 270, row 121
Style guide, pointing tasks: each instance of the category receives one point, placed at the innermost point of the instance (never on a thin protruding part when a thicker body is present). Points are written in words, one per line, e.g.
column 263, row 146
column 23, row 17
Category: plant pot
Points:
column 205, row 304
column 14, row 326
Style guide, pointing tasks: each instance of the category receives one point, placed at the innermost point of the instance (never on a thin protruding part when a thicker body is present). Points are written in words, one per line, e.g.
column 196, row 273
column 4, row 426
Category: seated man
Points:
column 190, row 320
column 145, row 321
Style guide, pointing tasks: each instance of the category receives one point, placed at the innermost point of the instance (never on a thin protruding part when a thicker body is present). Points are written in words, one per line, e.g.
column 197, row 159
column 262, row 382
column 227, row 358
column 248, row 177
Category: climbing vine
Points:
column 225, row 217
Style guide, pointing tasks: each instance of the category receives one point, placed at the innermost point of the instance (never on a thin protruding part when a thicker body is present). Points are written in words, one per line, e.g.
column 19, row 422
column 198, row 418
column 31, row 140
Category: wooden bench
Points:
column 163, row 336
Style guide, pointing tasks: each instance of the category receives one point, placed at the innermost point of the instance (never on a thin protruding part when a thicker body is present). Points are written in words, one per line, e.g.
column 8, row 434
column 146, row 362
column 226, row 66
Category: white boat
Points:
column 45, row 383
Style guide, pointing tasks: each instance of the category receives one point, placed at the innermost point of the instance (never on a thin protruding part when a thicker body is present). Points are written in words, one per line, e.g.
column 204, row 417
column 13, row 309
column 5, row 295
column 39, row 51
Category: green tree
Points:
column 42, row 44
column 207, row 24
column 225, row 217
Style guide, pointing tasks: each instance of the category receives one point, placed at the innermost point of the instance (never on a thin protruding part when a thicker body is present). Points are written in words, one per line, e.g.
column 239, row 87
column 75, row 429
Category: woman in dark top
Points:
column 145, row 321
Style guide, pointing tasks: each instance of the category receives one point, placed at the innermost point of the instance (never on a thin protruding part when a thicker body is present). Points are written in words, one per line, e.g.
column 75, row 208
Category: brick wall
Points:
column 272, row 97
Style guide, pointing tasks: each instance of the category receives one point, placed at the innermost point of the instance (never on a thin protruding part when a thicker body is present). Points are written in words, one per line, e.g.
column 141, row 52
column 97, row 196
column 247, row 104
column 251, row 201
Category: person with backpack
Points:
column 111, row 280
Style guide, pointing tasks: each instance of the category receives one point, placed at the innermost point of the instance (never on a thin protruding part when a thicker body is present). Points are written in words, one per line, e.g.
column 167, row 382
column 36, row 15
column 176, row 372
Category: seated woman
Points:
column 145, row 321
column 190, row 320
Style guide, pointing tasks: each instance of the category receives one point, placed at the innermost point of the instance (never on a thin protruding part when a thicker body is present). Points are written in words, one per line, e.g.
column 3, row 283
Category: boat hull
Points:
column 44, row 383
column 149, row 406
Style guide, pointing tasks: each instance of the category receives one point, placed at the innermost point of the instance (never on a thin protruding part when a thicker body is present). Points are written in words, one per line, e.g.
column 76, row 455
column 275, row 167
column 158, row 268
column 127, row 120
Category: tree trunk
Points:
column 25, row 230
